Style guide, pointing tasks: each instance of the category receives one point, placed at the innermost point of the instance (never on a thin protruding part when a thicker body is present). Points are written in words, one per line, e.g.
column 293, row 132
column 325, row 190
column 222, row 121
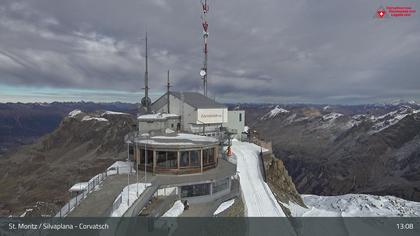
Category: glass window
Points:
column 208, row 156
column 141, row 156
column 195, row 158
column 205, row 156
column 167, row 160
column 172, row 160
column 195, row 190
column 184, row 159
column 240, row 117
column 149, row 157
column 161, row 159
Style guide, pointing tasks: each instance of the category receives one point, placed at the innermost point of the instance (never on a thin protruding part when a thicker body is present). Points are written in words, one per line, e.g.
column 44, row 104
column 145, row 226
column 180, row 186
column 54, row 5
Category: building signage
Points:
column 212, row 116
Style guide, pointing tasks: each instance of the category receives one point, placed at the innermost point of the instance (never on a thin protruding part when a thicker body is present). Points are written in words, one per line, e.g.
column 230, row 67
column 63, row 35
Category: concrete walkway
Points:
column 98, row 203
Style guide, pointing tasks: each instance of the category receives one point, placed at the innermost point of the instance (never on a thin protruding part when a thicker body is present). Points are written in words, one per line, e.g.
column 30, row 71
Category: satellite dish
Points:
column 145, row 101
column 203, row 73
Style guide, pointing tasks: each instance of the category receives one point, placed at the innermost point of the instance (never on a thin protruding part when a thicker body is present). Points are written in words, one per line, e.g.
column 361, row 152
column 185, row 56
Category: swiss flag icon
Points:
column 381, row 13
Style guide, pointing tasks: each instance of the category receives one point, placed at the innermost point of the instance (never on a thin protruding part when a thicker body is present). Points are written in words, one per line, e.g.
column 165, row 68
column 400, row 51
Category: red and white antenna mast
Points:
column 203, row 72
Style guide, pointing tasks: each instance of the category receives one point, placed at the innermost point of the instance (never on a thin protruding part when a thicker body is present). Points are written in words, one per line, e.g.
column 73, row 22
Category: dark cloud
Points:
column 265, row 51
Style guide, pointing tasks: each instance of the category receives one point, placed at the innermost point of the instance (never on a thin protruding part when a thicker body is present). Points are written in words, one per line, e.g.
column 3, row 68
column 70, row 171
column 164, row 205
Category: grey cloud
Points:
column 268, row 50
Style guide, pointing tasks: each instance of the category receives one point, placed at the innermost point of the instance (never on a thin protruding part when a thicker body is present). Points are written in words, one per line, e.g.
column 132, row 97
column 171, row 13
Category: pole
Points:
column 205, row 8
column 168, row 87
column 146, row 81
column 145, row 159
column 137, row 173
column 128, row 176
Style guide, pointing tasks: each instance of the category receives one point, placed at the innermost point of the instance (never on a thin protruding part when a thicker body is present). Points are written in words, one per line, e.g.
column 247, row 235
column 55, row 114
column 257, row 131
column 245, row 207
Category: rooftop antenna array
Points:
column 203, row 72
column 145, row 101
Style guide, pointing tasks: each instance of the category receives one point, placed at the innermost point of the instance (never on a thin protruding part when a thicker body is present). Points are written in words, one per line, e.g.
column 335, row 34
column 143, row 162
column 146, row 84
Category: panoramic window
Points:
column 149, row 157
column 167, row 160
column 208, row 156
column 184, row 160
column 195, row 158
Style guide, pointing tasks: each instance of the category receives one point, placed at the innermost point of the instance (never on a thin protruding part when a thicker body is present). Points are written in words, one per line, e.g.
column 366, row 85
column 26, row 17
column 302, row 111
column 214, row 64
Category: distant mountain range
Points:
column 327, row 149
column 22, row 123
column 333, row 150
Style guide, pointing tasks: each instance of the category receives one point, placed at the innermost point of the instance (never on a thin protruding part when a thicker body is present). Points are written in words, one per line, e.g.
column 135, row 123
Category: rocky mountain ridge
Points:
column 338, row 150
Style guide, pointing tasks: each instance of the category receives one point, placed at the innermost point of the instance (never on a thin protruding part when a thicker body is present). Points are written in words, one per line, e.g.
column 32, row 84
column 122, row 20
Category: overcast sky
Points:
column 274, row 51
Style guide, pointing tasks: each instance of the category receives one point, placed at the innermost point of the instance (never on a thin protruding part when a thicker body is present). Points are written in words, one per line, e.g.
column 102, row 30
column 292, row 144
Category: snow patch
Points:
column 390, row 119
column 331, row 116
column 274, row 112
column 121, row 167
column 224, row 206
column 169, row 131
column 176, row 210
column 88, row 118
column 74, row 113
column 79, row 187
column 157, row 116
column 114, row 113
column 354, row 205
column 129, row 196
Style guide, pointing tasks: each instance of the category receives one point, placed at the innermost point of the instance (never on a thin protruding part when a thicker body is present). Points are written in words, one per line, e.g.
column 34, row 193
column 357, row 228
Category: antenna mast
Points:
column 168, row 86
column 203, row 72
column 146, row 100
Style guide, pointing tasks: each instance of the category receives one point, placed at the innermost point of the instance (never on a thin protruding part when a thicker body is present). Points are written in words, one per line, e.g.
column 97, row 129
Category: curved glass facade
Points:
column 175, row 161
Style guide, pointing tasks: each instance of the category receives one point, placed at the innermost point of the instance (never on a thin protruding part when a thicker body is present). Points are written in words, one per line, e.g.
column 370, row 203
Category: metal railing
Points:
column 74, row 202
column 92, row 184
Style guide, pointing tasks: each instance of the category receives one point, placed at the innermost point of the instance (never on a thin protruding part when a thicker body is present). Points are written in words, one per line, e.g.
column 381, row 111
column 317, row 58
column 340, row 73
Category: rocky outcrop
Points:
column 280, row 182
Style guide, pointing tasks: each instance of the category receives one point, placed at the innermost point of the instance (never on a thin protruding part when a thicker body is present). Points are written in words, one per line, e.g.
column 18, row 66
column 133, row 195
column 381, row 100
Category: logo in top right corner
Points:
column 395, row 11
column 380, row 13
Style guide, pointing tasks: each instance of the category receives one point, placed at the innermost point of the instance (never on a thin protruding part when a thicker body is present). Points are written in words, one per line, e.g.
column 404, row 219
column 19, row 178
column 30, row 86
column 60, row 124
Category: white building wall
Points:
column 176, row 106
column 236, row 122
column 192, row 119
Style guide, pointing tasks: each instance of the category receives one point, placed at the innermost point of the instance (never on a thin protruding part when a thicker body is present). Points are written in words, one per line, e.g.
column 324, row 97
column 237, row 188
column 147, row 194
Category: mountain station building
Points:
column 181, row 143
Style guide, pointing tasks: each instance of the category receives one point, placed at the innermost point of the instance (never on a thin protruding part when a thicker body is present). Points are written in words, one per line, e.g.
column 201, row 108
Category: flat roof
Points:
column 173, row 140
column 197, row 100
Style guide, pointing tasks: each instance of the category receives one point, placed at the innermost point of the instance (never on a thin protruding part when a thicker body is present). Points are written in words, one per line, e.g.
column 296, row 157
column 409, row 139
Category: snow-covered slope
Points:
column 258, row 198
column 331, row 116
column 355, row 205
column 74, row 113
column 390, row 119
column 274, row 112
